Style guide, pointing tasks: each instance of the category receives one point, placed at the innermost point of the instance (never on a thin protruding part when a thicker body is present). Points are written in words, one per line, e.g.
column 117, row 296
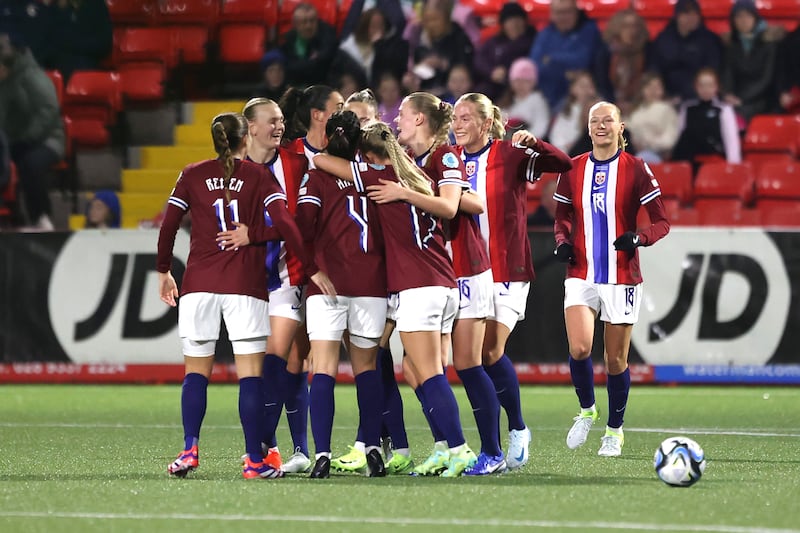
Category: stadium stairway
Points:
column 145, row 187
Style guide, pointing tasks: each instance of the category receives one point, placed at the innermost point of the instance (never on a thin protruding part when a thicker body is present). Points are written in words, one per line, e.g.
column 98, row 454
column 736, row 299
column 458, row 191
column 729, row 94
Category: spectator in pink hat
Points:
column 528, row 108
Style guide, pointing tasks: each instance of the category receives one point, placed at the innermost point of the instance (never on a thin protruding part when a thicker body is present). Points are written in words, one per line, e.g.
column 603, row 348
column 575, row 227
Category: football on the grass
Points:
column 679, row 461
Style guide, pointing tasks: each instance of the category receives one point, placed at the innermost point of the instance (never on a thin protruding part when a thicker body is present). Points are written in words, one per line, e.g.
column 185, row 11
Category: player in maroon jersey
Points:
column 283, row 363
column 336, row 221
column 364, row 104
column 423, row 122
column 499, row 171
column 228, row 284
column 420, row 274
column 595, row 231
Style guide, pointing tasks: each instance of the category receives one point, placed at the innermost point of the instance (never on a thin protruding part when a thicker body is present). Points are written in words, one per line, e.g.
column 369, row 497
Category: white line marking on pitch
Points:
column 405, row 521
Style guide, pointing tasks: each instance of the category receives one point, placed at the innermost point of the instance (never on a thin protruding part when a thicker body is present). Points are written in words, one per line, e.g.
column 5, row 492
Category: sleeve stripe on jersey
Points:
column 561, row 198
column 459, row 182
column 177, row 202
column 309, row 200
column 530, row 175
column 649, row 196
column 357, row 177
column 274, row 196
column 452, row 174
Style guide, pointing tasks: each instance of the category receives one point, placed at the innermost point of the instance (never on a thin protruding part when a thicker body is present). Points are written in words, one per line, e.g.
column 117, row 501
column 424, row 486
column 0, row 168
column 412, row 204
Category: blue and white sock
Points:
column 443, row 408
column 582, row 374
column 618, row 387
column 251, row 414
column 322, row 411
column 506, row 384
column 194, row 399
column 297, row 409
column 485, row 407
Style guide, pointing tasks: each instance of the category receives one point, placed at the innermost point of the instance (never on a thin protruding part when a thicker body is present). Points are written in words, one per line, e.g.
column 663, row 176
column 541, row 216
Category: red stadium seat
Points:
column 684, row 217
column 344, row 9
column 191, row 43
column 538, row 11
column 778, row 183
column 785, row 215
column 654, row 9
column 758, row 159
column 772, row 133
column 675, row 180
column 485, row 9
column 724, row 181
column 603, row 9
column 718, row 25
column 132, row 11
column 779, row 8
column 241, row 43
column 251, row 11
column 176, row 12
column 142, row 81
column 145, row 44
column 725, row 212
column 58, row 84
column 716, row 9
column 93, row 94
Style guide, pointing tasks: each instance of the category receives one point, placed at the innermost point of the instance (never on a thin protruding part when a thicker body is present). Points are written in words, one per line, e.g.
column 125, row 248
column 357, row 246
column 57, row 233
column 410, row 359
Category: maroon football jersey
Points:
column 209, row 268
column 340, row 223
column 470, row 256
column 499, row 172
column 415, row 251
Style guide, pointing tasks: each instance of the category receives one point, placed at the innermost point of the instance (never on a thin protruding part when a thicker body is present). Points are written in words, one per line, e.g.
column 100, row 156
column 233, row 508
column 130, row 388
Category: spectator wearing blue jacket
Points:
column 567, row 44
column 684, row 47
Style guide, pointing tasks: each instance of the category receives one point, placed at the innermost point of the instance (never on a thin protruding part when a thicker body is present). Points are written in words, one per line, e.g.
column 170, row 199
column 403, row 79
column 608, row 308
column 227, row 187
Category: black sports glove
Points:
column 565, row 253
column 627, row 242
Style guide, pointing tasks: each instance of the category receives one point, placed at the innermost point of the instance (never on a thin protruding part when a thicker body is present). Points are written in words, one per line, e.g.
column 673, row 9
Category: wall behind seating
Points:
column 720, row 305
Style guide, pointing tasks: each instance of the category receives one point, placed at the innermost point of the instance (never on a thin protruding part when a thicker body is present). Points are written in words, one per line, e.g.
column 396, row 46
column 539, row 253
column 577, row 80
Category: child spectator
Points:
column 103, row 211
column 273, row 67
column 571, row 119
column 653, row 121
column 708, row 126
column 528, row 106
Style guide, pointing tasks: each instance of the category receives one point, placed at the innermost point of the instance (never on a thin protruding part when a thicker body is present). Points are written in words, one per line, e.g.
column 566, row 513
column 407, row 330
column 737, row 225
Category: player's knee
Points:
column 580, row 351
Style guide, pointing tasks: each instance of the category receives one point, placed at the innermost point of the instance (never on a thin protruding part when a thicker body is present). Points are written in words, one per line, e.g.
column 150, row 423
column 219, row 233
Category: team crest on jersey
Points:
column 471, row 168
column 304, row 180
column 377, row 167
column 449, row 160
column 600, row 177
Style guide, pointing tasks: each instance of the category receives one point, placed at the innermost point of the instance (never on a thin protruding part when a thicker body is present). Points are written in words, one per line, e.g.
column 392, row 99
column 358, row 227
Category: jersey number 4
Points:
column 359, row 216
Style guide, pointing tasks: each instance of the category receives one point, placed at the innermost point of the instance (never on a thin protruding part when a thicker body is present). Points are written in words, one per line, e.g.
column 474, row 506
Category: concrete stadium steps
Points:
column 174, row 158
column 140, row 206
column 201, row 114
column 145, row 189
column 192, row 135
column 146, row 180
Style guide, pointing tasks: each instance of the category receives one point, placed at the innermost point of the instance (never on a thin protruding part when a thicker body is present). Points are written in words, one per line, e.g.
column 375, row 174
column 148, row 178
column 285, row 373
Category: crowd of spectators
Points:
column 686, row 93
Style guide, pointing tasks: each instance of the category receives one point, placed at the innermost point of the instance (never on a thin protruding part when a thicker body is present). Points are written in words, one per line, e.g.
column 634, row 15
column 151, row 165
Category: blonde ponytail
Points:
column 379, row 140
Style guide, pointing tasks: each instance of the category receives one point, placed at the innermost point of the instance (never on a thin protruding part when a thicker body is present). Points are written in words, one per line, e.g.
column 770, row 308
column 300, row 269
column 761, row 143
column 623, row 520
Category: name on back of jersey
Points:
column 218, row 184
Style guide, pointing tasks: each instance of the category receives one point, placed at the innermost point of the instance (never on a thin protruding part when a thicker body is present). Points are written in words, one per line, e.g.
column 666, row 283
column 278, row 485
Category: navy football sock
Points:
column 322, row 411
column 582, row 374
column 506, row 384
column 485, row 407
column 194, row 398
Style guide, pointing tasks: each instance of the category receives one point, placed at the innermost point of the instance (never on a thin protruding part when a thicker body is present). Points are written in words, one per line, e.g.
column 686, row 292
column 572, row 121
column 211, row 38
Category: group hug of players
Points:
column 350, row 231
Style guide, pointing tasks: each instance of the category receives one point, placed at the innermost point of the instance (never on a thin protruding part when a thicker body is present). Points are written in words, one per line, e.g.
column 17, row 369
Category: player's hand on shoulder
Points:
column 233, row 239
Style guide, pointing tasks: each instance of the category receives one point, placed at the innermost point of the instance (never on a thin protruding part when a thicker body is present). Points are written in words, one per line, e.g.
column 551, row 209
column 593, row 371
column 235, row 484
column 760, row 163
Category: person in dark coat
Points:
column 309, row 47
column 750, row 62
column 494, row 57
column 684, row 47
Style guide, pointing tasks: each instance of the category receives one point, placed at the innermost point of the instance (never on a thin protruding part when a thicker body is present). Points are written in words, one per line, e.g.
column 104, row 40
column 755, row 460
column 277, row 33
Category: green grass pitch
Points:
column 93, row 458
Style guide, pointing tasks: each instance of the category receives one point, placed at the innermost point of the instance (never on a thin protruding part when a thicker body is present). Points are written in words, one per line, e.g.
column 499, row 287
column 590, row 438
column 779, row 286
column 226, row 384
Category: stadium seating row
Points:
column 722, row 193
